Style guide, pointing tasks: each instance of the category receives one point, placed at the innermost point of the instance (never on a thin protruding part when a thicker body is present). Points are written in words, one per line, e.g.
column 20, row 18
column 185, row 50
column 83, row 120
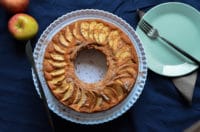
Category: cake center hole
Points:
column 90, row 65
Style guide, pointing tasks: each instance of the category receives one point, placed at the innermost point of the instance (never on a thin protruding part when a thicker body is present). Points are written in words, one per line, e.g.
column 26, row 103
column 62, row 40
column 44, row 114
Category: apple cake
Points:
column 59, row 69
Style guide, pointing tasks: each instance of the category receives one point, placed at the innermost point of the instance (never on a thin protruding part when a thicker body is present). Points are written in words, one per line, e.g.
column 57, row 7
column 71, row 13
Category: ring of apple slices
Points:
column 59, row 69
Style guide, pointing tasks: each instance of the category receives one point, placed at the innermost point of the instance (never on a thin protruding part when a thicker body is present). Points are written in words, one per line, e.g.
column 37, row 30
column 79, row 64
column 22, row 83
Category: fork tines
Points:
column 145, row 26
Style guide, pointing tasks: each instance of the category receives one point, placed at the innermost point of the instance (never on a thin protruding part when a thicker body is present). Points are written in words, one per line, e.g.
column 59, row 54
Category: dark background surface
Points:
column 160, row 107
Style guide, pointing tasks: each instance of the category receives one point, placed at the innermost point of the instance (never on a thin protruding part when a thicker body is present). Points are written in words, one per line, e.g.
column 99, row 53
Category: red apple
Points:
column 23, row 26
column 15, row 6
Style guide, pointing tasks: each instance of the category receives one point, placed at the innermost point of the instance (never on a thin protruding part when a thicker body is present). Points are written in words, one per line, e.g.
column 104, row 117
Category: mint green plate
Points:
column 179, row 23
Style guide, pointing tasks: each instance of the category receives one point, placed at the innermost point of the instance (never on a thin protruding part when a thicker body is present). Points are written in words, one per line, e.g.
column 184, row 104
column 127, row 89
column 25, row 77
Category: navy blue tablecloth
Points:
column 160, row 108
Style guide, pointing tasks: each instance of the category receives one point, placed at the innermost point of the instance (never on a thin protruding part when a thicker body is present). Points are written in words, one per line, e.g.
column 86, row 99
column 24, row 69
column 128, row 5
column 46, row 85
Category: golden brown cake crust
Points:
column 59, row 70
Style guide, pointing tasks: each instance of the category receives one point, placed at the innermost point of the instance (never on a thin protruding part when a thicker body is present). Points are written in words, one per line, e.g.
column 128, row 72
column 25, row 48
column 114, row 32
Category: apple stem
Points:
column 20, row 24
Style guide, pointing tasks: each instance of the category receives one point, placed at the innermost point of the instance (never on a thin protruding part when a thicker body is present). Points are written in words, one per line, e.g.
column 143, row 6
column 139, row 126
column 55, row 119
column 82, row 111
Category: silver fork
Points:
column 153, row 33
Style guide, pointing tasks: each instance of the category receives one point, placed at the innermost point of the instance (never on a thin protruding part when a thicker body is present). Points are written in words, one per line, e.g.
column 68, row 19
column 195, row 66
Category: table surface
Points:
column 159, row 108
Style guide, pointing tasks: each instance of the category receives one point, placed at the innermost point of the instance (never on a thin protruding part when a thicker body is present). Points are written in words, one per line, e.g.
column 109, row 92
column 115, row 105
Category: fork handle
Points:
column 181, row 51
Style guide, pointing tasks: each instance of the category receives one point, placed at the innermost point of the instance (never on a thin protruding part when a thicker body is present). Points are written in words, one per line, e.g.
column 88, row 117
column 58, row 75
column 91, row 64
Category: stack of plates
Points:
column 179, row 23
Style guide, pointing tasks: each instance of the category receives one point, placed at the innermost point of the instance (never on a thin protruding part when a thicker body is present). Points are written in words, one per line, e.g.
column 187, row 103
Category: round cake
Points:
column 59, row 67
